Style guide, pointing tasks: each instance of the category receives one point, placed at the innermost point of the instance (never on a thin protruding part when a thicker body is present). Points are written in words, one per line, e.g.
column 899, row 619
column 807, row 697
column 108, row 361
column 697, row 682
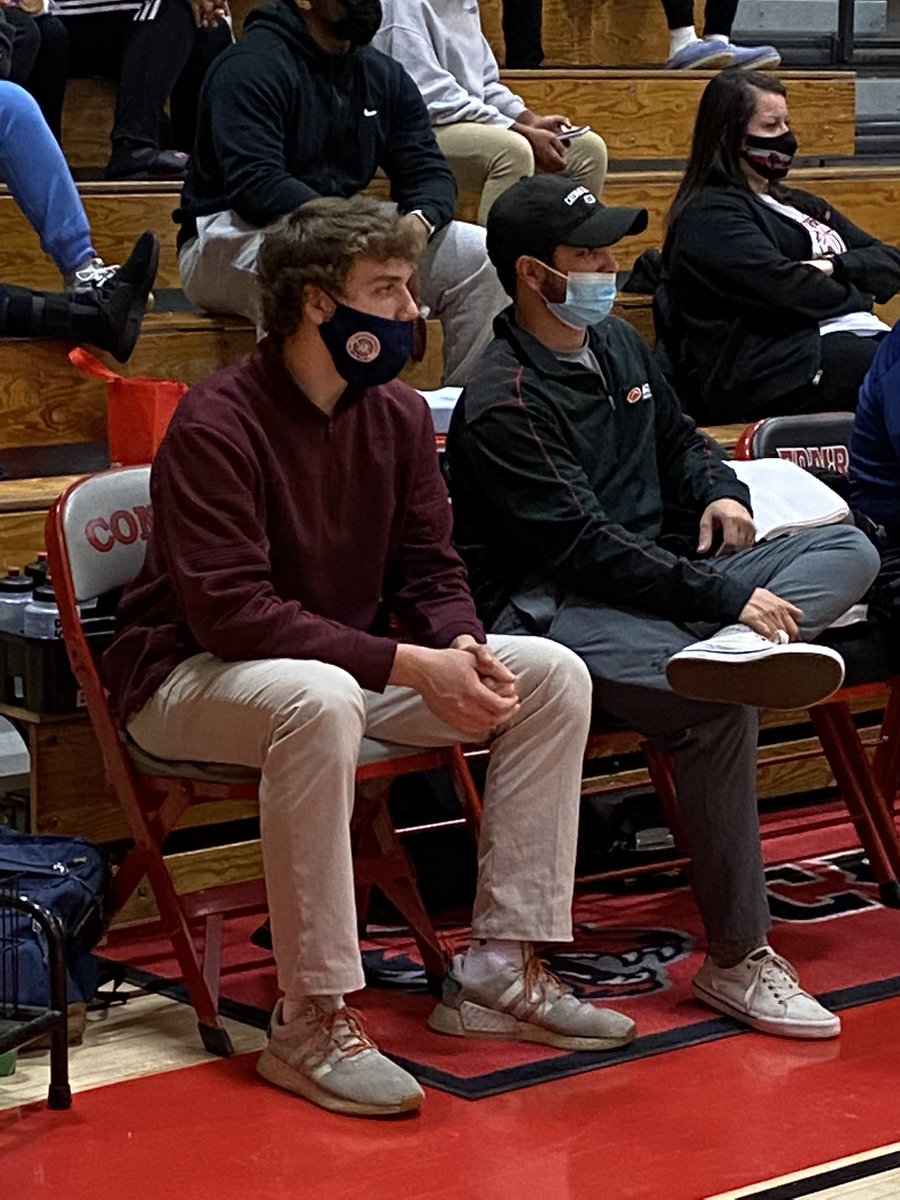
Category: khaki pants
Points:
column 301, row 723
column 490, row 158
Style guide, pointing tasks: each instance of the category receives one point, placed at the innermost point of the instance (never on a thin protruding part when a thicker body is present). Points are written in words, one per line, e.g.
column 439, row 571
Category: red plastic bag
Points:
column 138, row 409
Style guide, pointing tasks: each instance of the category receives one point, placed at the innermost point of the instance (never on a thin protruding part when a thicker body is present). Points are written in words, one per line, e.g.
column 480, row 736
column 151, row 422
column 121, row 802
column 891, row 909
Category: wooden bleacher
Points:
column 646, row 117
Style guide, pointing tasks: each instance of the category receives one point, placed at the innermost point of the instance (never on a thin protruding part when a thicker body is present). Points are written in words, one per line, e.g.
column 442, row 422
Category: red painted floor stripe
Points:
column 679, row 1127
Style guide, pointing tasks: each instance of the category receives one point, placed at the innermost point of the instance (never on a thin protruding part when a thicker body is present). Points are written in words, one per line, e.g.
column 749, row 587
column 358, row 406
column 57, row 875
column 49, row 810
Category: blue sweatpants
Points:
column 35, row 171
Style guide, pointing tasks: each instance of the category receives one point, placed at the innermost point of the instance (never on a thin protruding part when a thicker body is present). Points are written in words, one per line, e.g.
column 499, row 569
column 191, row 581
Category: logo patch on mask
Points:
column 643, row 392
column 363, row 347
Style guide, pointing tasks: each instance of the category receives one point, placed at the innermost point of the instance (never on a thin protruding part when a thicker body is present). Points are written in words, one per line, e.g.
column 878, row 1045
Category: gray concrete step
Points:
column 877, row 97
column 755, row 17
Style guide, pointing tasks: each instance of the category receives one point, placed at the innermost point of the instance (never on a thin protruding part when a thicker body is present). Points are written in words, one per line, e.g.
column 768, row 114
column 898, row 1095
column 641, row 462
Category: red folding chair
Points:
column 96, row 539
column 868, row 789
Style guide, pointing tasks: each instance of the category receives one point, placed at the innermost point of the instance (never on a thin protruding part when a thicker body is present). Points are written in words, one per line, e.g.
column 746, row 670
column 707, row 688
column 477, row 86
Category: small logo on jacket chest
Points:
column 641, row 392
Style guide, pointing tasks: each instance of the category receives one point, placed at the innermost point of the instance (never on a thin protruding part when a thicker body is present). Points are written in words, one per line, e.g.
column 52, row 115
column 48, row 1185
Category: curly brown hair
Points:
column 318, row 244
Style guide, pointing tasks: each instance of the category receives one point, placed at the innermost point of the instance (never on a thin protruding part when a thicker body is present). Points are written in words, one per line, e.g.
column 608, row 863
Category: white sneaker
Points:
column 526, row 1004
column 739, row 666
column 91, row 277
column 764, row 992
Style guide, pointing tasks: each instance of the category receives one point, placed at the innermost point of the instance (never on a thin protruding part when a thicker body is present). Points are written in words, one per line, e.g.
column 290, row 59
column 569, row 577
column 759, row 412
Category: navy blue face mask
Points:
column 366, row 350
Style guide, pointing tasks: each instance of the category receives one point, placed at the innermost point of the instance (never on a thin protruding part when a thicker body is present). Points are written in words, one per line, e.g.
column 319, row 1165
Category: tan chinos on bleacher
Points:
column 491, row 158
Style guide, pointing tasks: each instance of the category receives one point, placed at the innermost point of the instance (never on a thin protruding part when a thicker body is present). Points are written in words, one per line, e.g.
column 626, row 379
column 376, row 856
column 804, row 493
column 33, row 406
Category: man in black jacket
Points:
column 590, row 509
column 303, row 107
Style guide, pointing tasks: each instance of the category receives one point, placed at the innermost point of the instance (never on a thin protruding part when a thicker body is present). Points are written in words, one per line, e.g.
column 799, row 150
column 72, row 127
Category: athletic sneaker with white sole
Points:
column 739, row 666
column 326, row 1057
column 526, row 1005
column 764, row 992
column 755, row 58
column 701, row 55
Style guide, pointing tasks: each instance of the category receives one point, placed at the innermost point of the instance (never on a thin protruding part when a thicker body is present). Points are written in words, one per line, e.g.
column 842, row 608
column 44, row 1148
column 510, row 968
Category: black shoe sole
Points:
column 126, row 302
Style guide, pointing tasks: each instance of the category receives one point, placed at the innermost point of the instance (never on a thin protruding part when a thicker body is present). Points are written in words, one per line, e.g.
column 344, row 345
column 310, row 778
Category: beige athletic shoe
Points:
column 739, row 666
column 764, row 992
column 327, row 1058
column 527, row 1005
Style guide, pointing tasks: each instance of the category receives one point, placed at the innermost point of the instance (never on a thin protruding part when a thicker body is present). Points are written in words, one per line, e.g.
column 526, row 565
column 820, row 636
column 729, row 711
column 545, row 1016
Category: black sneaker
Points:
column 148, row 163
column 123, row 301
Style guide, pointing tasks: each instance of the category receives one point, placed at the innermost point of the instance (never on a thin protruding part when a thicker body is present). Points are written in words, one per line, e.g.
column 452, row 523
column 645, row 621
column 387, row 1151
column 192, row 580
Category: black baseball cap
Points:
column 539, row 213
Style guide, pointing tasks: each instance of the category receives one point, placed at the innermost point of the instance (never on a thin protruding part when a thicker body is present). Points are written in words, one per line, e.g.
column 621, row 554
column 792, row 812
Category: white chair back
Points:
column 105, row 524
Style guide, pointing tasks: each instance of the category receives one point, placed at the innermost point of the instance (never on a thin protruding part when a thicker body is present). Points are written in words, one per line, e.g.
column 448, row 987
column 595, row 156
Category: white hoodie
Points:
column 441, row 45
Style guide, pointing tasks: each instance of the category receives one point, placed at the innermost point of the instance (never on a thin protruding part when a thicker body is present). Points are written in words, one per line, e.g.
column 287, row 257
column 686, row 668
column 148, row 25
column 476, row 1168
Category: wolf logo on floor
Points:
column 615, row 964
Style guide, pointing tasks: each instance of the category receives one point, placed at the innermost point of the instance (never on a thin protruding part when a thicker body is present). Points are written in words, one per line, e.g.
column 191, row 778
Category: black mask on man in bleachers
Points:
column 360, row 22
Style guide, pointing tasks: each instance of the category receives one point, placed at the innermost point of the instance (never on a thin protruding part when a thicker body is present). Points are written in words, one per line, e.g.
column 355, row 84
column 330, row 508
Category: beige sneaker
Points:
column 528, row 1005
column 326, row 1057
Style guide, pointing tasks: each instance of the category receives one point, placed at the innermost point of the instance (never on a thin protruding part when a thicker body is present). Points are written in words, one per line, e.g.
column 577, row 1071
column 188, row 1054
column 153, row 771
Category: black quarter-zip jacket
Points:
column 281, row 121
column 583, row 483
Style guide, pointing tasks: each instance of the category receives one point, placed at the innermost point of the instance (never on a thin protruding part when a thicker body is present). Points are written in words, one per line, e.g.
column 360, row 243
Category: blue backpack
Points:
column 69, row 876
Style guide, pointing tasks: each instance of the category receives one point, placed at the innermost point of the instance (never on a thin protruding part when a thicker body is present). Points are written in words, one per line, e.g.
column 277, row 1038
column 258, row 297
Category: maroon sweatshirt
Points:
column 280, row 532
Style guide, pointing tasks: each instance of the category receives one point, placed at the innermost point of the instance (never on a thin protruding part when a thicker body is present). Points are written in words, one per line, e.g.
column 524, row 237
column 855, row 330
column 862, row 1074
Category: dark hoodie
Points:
column 281, row 121
column 590, row 485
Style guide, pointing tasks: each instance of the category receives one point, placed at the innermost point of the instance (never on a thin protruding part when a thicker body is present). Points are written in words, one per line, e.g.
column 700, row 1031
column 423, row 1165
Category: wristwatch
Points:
column 429, row 228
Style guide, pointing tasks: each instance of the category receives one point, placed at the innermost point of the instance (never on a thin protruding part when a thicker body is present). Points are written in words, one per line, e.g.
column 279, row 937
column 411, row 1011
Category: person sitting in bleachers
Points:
column 590, row 509
column 33, row 168
column 302, row 106
column 300, row 523
column 108, row 317
column 39, row 58
column 158, row 51
column 689, row 52
column 875, row 444
column 767, row 294
column 487, row 133
column 875, row 472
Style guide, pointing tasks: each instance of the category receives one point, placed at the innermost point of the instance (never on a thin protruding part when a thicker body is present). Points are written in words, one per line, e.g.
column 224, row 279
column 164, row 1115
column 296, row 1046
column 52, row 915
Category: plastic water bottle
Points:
column 38, row 569
column 42, row 614
column 15, row 594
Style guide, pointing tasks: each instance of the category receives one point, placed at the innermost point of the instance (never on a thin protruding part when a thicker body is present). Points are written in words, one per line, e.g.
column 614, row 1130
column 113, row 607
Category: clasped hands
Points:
column 465, row 685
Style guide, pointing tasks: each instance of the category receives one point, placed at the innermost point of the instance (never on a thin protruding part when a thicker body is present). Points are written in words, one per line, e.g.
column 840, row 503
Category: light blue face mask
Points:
column 590, row 296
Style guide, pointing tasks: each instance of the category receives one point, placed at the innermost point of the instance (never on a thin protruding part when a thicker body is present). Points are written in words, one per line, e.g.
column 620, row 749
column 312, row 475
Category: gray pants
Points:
column 713, row 746
column 458, row 283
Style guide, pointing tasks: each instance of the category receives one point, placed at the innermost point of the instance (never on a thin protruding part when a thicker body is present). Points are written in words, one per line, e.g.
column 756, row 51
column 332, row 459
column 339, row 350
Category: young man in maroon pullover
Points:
column 297, row 505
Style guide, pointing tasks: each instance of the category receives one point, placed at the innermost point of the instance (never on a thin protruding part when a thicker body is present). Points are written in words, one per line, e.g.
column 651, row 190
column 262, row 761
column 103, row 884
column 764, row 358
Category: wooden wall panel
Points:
column 198, row 869
column 593, row 32
column 87, row 121
column 44, row 400
column 21, row 537
column 650, row 115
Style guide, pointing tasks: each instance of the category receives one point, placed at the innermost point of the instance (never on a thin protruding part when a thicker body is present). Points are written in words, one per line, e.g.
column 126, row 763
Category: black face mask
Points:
column 360, row 22
column 770, row 157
